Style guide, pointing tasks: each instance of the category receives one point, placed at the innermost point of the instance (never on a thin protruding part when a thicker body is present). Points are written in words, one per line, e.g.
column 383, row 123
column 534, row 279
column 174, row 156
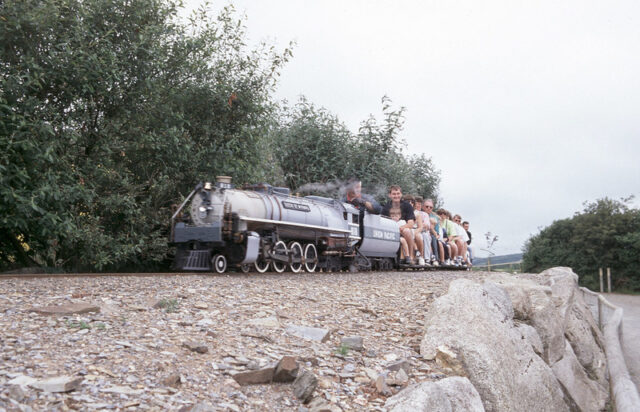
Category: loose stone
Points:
column 286, row 370
column 196, row 347
column 254, row 377
column 304, row 385
column 69, row 309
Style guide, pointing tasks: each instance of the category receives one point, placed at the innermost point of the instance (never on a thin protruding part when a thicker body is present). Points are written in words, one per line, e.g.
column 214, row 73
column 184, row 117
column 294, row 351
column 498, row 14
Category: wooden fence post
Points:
column 609, row 279
column 601, row 282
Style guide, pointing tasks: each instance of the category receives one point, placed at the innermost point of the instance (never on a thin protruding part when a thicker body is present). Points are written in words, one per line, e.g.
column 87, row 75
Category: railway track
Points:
column 200, row 273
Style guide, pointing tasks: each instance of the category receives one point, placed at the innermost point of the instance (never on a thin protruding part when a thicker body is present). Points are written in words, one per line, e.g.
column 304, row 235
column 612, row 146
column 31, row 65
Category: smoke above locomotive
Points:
column 265, row 227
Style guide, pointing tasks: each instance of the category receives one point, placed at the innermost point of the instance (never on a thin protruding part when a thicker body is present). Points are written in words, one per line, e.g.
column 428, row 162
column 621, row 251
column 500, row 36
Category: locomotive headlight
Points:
column 208, row 186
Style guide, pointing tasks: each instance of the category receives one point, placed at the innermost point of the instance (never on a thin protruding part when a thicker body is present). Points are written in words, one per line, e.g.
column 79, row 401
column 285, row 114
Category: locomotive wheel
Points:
column 295, row 251
column 246, row 268
column 279, row 249
column 310, row 258
column 261, row 265
column 219, row 263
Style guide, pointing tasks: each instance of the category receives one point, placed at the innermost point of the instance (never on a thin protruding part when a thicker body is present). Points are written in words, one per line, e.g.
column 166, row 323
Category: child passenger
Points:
column 404, row 250
column 423, row 225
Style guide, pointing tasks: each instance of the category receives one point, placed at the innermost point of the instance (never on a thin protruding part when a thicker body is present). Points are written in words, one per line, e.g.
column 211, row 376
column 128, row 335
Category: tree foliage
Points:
column 315, row 146
column 110, row 110
column 605, row 234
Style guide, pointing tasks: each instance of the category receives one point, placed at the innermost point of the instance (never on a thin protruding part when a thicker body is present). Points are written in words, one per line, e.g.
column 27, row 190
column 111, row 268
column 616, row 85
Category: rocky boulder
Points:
column 580, row 328
column 533, row 305
column 561, row 314
column 587, row 394
column 476, row 322
column 526, row 342
column 446, row 395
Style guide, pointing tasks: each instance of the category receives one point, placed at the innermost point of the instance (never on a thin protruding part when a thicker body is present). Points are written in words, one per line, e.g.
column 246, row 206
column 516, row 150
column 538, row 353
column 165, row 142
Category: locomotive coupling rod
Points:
column 285, row 258
column 279, row 258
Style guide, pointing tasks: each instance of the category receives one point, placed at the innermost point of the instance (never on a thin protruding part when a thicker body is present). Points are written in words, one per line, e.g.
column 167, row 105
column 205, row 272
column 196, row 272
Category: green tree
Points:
column 605, row 234
column 109, row 111
column 312, row 146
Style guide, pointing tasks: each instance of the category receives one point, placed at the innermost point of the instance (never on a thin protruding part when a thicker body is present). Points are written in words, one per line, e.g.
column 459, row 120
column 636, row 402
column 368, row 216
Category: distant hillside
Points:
column 497, row 260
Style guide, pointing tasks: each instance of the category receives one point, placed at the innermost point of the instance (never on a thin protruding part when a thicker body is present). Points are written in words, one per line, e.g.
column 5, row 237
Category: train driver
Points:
column 359, row 200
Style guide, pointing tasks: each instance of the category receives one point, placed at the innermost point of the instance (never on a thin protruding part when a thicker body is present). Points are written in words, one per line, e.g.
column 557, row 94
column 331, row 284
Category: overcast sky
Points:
column 528, row 108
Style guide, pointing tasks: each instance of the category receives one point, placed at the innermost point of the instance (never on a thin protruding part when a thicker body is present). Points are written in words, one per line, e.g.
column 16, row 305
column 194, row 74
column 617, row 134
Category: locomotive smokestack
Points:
column 224, row 182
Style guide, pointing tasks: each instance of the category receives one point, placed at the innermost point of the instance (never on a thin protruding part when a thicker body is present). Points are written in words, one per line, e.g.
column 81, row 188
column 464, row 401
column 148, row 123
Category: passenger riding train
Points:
column 264, row 227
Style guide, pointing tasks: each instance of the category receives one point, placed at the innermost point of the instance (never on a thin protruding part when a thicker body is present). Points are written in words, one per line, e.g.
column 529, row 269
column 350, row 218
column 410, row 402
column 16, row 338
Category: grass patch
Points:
column 78, row 325
column 169, row 305
column 343, row 350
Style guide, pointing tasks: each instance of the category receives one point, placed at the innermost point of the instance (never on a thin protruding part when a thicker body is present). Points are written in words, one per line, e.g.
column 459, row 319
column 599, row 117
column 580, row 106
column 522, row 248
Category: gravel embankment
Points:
column 132, row 355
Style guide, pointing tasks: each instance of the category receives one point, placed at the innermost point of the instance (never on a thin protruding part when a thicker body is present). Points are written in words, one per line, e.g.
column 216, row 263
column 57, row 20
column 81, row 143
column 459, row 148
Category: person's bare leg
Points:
column 404, row 251
column 420, row 245
column 462, row 247
column 454, row 250
column 408, row 236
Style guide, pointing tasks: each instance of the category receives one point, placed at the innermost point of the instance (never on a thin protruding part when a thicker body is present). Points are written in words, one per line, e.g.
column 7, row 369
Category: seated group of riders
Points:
column 427, row 237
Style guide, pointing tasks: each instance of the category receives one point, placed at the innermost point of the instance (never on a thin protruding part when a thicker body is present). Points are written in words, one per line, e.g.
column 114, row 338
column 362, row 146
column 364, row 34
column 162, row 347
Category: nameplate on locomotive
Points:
column 383, row 234
column 296, row 206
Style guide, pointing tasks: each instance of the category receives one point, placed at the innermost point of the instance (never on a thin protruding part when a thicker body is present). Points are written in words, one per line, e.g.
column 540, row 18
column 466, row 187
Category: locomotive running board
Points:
column 279, row 222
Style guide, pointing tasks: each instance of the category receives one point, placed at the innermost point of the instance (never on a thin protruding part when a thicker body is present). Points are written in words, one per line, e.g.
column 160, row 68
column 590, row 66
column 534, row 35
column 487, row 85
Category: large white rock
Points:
column 580, row 328
column 530, row 334
column 447, row 395
column 587, row 341
column 533, row 305
column 587, row 394
column 476, row 321
column 564, row 289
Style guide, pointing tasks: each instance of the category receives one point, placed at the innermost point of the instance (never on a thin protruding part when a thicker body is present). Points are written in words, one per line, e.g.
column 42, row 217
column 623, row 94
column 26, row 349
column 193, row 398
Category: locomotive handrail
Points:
column 183, row 203
column 173, row 218
column 281, row 222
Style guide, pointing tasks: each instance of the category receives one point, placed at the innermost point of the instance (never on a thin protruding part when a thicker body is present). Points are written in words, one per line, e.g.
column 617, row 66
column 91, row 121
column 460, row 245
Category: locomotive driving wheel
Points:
column 310, row 257
column 279, row 249
column 219, row 263
column 262, row 265
column 295, row 253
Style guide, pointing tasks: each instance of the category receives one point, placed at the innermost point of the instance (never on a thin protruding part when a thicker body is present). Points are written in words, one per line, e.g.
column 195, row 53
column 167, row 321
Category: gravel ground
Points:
column 132, row 355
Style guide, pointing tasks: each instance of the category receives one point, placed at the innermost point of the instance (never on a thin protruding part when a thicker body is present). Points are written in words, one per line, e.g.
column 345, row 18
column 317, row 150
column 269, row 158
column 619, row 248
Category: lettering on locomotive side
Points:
column 382, row 234
column 296, row 206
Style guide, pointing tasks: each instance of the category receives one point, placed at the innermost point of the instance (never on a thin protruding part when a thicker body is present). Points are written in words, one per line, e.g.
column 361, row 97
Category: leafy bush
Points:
column 314, row 146
column 109, row 111
column 605, row 234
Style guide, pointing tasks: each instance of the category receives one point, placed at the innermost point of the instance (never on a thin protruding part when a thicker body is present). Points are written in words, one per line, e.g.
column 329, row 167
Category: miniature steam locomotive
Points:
column 265, row 227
